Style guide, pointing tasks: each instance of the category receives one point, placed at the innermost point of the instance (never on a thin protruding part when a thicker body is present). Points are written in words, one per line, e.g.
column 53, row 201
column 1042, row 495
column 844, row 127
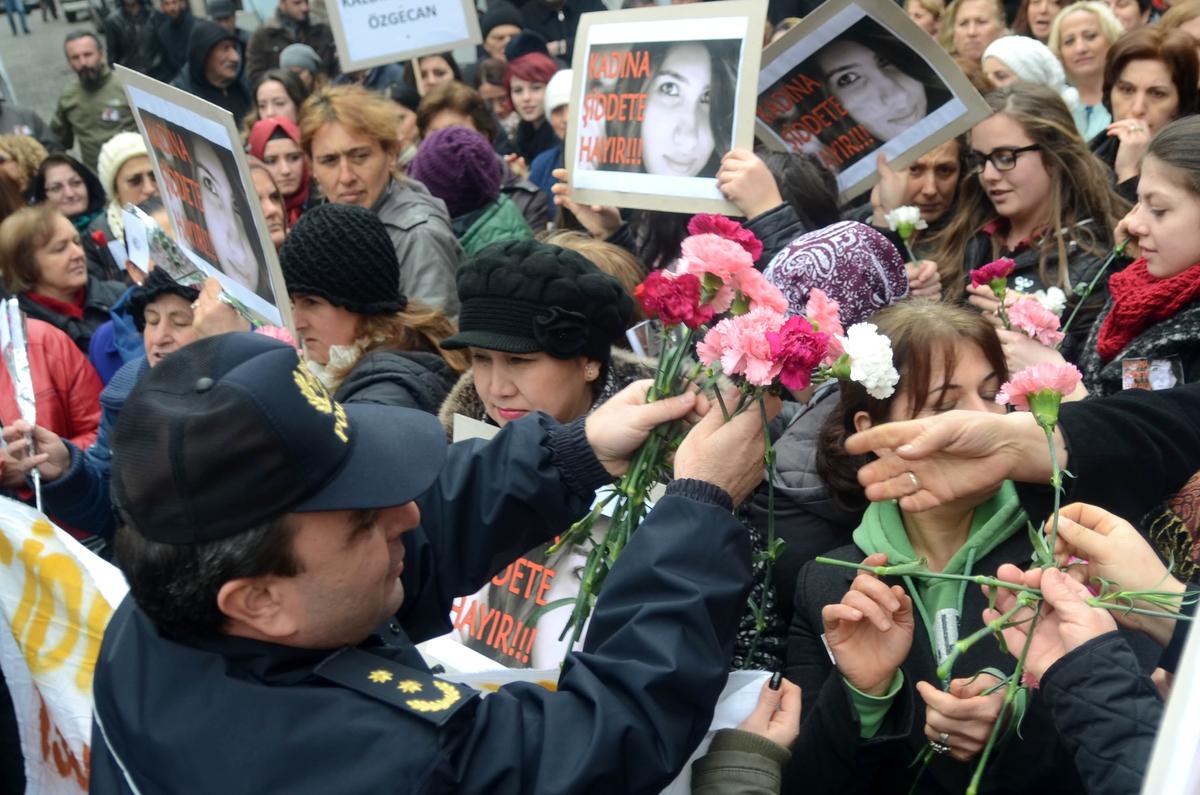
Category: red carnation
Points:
column 673, row 299
column 993, row 271
column 799, row 349
column 721, row 226
column 99, row 237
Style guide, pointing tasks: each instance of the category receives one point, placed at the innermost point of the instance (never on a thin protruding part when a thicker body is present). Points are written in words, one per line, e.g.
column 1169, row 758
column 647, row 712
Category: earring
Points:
column 591, row 373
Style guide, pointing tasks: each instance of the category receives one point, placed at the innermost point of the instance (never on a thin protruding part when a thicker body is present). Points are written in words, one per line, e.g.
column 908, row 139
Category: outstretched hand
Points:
column 870, row 631
column 1066, row 622
column 1106, row 547
column 51, row 461
column 776, row 716
column 622, row 423
column 928, row 462
column 728, row 454
column 600, row 222
column 965, row 714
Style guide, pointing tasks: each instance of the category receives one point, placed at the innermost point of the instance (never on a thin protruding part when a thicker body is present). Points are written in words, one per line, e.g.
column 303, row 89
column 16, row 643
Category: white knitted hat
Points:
column 1033, row 62
column 114, row 154
column 558, row 91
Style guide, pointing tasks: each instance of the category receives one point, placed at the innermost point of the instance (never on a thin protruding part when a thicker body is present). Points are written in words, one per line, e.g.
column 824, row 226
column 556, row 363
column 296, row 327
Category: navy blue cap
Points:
column 233, row 431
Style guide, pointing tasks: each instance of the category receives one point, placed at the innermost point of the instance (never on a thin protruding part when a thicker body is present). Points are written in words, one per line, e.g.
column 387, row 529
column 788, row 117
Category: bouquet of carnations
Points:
column 715, row 304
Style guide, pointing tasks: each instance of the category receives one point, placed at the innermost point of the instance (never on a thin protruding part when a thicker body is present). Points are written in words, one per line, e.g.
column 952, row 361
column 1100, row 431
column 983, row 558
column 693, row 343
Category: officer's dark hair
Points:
column 75, row 35
column 176, row 585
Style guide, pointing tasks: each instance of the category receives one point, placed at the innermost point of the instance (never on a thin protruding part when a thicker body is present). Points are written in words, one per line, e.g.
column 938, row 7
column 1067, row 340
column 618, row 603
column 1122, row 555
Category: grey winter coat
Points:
column 429, row 253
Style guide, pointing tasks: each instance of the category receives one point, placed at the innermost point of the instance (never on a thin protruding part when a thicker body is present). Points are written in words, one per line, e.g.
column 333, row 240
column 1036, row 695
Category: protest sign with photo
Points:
column 376, row 32
column 857, row 77
column 516, row 619
column 659, row 95
column 209, row 194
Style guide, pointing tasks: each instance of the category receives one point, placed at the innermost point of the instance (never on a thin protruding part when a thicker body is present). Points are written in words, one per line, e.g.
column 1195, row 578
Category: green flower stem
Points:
column 1091, row 286
column 1105, row 602
column 1010, row 694
column 760, row 622
column 1056, row 482
column 947, row 666
column 645, row 468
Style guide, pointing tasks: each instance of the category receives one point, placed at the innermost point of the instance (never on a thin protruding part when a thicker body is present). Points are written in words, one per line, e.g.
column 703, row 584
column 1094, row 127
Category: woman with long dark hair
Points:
column 687, row 125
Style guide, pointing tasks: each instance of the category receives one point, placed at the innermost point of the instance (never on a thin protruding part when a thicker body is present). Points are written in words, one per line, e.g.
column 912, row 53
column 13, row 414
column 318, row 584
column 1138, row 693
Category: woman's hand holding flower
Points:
column 870, row 631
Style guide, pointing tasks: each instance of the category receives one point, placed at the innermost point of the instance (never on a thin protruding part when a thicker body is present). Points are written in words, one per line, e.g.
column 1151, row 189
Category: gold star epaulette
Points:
column 417, row 692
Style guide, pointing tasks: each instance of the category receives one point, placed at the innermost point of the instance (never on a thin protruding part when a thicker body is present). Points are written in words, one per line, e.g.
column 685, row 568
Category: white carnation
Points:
column 870, row 355
column 907, row 216
column 1053, row 299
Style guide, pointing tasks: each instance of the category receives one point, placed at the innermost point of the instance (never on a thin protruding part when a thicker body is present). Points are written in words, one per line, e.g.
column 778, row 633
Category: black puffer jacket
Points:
column 409, row 379
column 1106, row 712
column 173, row 37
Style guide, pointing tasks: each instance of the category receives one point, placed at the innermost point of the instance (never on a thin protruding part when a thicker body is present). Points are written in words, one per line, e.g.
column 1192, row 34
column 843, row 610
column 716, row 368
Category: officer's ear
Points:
column 256, row 607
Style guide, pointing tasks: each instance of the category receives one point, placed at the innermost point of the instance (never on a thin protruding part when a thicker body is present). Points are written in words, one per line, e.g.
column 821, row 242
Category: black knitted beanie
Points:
column 157, row 284
column 524, row 296
column 342, row 253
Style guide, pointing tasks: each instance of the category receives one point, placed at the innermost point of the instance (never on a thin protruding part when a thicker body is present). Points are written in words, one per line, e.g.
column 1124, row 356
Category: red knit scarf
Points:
column 73, row 309
column 1140, row 300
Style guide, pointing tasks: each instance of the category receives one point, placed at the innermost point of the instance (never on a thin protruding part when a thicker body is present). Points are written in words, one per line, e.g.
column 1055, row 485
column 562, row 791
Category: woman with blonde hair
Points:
column 350, row 136
column 363, row 339
column 20, row 156
column 1183, row 16
column 1080, row 38
column 969, row 26
column 1034, row 193
column 926, row 13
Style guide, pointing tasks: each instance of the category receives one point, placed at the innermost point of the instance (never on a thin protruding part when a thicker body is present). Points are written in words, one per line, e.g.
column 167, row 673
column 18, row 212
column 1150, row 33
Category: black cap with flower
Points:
column 527, row 297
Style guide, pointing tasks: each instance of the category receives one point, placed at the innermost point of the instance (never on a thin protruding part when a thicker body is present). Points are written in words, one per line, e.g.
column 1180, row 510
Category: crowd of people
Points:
column 291, row 518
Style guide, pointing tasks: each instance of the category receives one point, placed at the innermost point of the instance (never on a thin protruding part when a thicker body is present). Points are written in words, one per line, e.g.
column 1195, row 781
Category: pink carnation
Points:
column 993, row 271
column 740, row 344
column 759, row 292
column 797, row 348
column 721, row 226
column 825, row 314
column 1052, row 377
column 1028, row 314
column 277, row 333
column 714, row 259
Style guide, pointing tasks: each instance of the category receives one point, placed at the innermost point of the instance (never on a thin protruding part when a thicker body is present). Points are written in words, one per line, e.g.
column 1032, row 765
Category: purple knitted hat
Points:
column 459, row 166
column 855, row 266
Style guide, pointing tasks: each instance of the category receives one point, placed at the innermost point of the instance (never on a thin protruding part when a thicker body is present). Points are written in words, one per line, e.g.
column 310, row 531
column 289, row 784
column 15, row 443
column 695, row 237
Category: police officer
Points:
column 284, row 553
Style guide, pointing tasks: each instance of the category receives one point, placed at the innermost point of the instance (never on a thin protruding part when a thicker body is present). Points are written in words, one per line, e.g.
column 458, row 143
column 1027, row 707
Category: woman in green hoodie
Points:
column 866, row 721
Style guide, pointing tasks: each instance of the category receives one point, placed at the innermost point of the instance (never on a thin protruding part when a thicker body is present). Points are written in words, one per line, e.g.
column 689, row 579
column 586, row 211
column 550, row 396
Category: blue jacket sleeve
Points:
column 632, row 706
column 493, row 501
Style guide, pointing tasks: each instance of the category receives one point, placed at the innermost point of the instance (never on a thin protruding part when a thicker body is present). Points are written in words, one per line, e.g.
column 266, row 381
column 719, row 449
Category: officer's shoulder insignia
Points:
column 416, row 692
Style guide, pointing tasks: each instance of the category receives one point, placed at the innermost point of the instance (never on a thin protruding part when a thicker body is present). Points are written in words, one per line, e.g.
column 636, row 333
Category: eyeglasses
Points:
column 59, row 187
column 1003, row 158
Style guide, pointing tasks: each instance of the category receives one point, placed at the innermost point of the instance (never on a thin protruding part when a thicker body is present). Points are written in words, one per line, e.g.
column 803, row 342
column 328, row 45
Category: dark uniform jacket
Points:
column 233, row 715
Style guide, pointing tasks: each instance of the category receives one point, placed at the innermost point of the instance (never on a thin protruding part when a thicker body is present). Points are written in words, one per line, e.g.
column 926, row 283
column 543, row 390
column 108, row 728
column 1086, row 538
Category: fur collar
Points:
column 623, row 369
